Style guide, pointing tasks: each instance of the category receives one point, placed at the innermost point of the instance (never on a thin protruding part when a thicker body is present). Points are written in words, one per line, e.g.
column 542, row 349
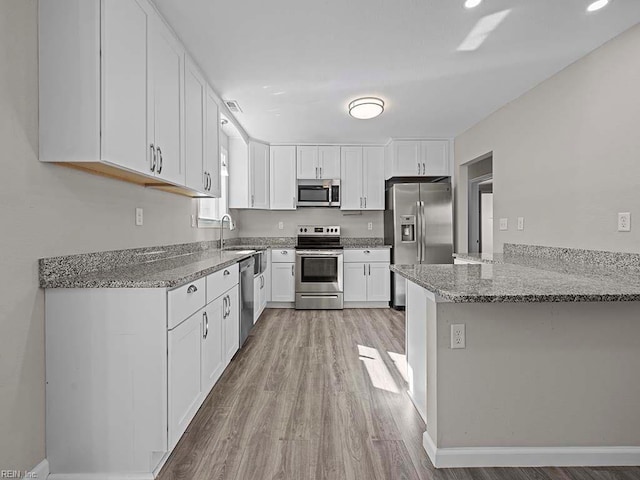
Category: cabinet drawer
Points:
column 283, row 255
column 221, row 281
column 367, row 255
column 185, row 301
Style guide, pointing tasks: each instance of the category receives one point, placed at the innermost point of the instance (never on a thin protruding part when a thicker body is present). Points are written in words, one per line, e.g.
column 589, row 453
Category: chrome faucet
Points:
column 224, row 217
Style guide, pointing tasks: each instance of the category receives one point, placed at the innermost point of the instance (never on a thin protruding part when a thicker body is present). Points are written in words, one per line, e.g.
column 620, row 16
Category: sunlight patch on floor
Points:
column 400, row 361
column 378, row 372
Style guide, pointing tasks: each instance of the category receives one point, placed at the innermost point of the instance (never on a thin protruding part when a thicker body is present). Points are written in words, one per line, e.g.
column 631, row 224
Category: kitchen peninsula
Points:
column 545, row 369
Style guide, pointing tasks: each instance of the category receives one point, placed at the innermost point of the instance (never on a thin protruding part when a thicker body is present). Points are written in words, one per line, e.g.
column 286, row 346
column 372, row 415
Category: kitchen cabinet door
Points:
column 165, row 75
column 355, row 282
column 435, row 157
column 373, row 178
column 257, row 286
column 283, row 285
column 329, row 162
column 259, row 175
column 416, row 341
column 307, row 161
column 195, row 90
column 351, row 179
column 184, row 387
column 378, row 282
column 212, row 144
column 213, row 360
column 124, row 84
column 283, row 188
column 231, row 323
column 407, row 161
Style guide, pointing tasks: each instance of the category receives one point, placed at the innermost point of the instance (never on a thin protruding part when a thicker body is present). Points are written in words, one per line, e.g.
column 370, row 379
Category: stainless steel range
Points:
column 319, row 268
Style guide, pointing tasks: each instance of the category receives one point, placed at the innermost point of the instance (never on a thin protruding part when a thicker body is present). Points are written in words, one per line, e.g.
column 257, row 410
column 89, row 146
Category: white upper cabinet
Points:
column 259, row 175
column 362, row 178
column 435, row 157
column 307, row 162
column 351, row 180
column 318, row 162
column 125, row 26
column 195, row 91
column 165, row 74
column 283, row 178
column 329, row 162
column 212, row 144
column 420, row 158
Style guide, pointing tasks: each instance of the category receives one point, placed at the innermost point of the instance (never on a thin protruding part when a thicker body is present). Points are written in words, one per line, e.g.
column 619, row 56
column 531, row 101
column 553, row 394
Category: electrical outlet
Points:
column 193, row 221
column 139, row 217
column 520, row 223
column 370, row 226
column 504, row 224
column 458, row 339
column 280, row 225
column 624, row 222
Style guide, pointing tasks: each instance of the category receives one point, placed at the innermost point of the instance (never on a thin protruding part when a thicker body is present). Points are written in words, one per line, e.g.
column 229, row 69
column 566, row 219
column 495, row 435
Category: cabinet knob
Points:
column 192, row 289
column 226, row 272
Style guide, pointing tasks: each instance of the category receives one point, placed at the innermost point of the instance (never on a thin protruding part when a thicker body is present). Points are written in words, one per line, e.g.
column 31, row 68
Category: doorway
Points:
column 480, row 211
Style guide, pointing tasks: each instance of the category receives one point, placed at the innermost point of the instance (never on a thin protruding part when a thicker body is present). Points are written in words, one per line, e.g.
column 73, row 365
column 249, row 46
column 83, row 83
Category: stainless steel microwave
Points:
column 318, row 193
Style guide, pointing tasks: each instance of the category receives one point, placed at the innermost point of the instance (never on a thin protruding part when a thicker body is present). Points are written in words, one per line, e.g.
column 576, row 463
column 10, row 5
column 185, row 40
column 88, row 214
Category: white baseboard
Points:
column 40, row 471
column 530, row 456
column 101, row 476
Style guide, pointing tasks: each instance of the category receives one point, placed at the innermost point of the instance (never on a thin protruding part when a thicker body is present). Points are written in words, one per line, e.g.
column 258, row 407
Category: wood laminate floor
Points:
column 321, row 395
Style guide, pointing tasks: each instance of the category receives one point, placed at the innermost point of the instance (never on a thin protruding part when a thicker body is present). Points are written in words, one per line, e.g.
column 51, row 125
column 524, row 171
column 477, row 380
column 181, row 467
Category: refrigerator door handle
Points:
column 423, row 234
column 419, row 231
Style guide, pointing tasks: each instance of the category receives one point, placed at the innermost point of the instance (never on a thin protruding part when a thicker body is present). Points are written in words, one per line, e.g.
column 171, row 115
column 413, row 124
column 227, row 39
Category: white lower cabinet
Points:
column 283, row 282
column 184, row 375
column 213, row 358
column 231, row 323
column 366, row 276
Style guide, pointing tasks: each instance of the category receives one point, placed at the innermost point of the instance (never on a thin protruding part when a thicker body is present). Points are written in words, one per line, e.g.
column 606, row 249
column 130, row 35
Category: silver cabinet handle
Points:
column 284, row 252
column 369, row 269
column 228, row 305
column 320, row 172
column 159, row 160
column 418, row 168
column 365, row 202
column 364, row 269
column 224, row 307
column 253, row 200
column 205, row 321
column 192, row 289
column 424, row 169
column 367, row 252
column 316, row 172
column 293, row 270
column 360, row 202
column 152, row 158
column 226, row 272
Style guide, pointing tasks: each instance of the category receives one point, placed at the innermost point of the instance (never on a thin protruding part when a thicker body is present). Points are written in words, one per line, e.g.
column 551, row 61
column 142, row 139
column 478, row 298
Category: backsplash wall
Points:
column 264, row 223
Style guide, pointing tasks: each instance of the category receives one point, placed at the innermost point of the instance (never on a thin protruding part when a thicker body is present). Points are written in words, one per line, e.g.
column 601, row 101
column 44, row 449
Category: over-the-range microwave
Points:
column 318, row 193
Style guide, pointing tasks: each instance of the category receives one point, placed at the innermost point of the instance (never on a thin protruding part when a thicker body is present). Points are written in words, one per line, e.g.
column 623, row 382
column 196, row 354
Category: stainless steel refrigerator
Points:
column 418, row 223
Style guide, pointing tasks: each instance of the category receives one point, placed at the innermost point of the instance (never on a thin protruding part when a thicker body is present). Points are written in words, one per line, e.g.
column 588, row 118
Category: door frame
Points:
column 473, row 194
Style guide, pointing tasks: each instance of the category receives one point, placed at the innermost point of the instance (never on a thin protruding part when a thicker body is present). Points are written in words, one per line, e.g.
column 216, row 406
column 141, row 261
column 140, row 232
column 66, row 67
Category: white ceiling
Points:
column 294, row 65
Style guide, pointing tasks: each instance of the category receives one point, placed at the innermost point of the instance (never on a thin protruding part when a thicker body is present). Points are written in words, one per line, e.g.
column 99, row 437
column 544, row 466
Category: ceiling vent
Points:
column 233, row 106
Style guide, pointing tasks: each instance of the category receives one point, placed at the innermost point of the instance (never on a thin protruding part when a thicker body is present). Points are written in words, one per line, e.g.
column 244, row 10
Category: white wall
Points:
column 566, row 155
column 48, row 210
column 261, row 223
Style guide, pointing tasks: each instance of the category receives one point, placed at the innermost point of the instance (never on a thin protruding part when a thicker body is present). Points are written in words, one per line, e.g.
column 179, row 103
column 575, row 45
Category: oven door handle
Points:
column 319, row 253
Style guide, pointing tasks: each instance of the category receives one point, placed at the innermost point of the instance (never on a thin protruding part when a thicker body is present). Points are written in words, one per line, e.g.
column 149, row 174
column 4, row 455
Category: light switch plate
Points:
column 520, row 223
column 504, row 224
column 370, row 226
column 139, row 217
column 280, row 225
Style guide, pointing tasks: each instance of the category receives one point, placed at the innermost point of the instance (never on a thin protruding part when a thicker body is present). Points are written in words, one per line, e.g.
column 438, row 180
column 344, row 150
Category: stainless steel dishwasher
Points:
column 246, row 298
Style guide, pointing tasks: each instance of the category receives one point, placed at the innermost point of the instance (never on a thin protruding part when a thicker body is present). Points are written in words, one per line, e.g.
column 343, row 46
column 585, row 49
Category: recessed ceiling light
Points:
column 597, row 5
column 366, row 108
column 472, row 3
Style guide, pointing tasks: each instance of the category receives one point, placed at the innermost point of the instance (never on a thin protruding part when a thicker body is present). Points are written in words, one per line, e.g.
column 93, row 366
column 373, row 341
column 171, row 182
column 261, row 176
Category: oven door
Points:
column 319, row 271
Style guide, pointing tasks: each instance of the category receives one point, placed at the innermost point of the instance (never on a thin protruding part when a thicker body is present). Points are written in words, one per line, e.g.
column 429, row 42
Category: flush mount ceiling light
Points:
column 472, row 3
column 597, row 5
column 366, row 108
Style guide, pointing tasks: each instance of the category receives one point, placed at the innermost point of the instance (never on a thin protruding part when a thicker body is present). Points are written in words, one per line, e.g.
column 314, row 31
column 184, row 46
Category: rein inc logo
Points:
column 17, row 474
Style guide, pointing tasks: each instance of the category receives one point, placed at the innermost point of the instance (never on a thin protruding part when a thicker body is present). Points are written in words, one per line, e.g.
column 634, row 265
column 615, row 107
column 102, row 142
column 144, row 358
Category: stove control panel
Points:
column 318, row 230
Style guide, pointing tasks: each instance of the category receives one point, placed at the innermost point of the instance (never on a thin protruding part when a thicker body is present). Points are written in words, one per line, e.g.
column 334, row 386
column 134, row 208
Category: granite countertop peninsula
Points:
column 533, row 274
